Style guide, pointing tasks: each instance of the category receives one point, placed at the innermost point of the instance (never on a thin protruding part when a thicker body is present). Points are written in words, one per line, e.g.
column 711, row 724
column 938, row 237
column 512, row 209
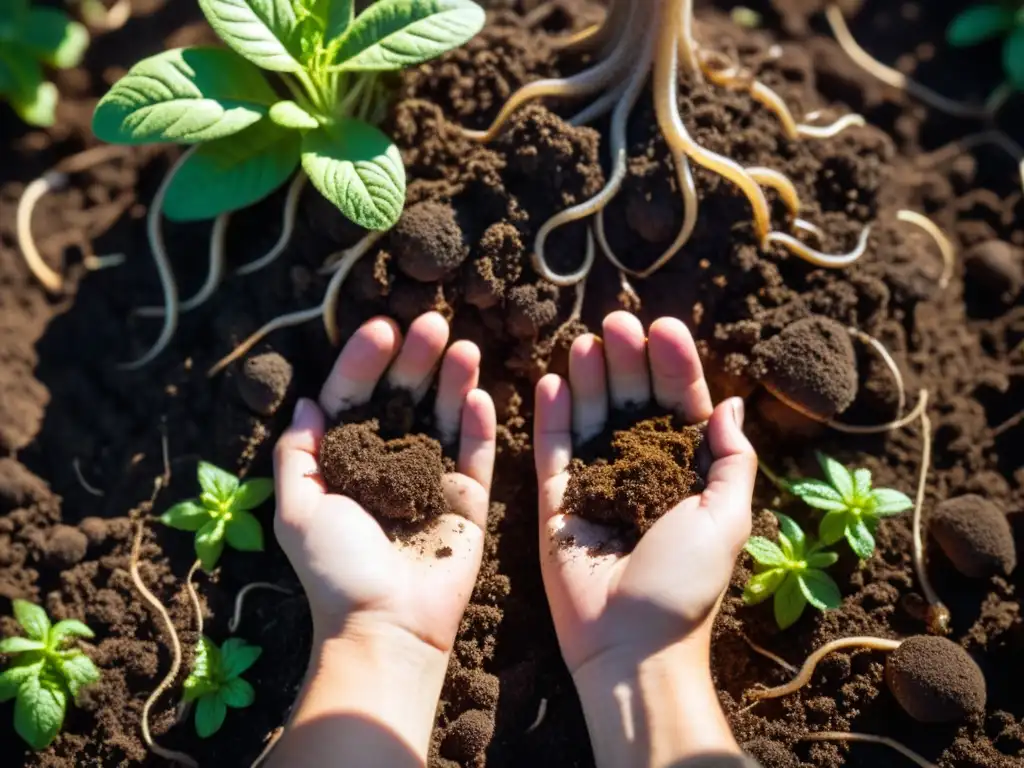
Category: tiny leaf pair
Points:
column 31, row 38
column 330, row 63
column 792, row 572
column 44, row 673
column 221, row 514
column 852, row 507
column 216, row 684
column 989, row 21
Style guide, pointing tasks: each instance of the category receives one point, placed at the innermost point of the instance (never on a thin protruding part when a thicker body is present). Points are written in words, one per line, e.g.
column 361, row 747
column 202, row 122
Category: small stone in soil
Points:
column 935, row 680
column 427, row 242
column 811, row 362
column 66, row 546
column 997, row 268
column 653, row 469
column 469, row 736
column 975, row 535
column 264, row 382
column 397, row 480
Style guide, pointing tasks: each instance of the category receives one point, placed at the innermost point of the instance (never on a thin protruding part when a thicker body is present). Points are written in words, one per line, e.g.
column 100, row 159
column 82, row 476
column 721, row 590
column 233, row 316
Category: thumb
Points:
column 730, row 488
column 296, row 480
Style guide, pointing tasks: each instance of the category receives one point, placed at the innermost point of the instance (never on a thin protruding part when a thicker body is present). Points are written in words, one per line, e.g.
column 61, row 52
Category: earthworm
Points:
column 941, row 240
column 768, row 177
column 828, row 131
column 816, row 257
column 852, row 429
column 194, row 596
column 89, row 488
column 871, row 739
column 542, row 711
column 887, row 358
column 291, row 207
column 236, row 617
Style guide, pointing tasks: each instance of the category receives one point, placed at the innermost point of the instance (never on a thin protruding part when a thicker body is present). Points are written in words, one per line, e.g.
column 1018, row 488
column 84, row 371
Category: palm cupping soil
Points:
column 67, row 410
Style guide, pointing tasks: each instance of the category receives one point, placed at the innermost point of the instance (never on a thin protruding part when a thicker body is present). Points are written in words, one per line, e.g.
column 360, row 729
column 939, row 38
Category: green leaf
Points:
column 38, row 108
column 978, row 24
column 52, row 36
column 886, row 502
column 252, row 493
column 359, row 169
column 32, row 619
column 69, row 628
column 861, row 483
column 817, row 494
column 184, row 95
column 17, row 673
column 14, row 645
column 186, row 516
column 237, row 656
column 12, row 18
column 789, row 528
column 21, row 78
column 210, row 543
column 1013, row 57
column 262, row 31
column 832, row 527
column 79, row 671
column 765, row 552
column 210, row 713
column 205, row 671
column 861, row 540
column 789, row 602
column 288, row 114
column 820, row 590
column 237, row 693
column 838, row 475
column 244, row 532
column 394, row 34
column 340, row 14
column 39, row 711
column 217, row 482
column 822, row 559
column 762, row 586
column 232, row 173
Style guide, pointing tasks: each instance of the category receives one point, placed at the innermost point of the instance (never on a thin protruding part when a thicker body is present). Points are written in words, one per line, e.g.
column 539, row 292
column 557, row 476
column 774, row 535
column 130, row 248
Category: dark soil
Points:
column 652, row 466
column 81, row 440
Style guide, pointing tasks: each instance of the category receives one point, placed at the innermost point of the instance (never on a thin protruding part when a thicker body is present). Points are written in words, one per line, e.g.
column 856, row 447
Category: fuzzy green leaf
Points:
column 186, row 516
column 53, row 37
column 210, row 543
column 69, row 628
column 17, row 673
column 288, row 114
column 340, row 14
column 244, row 532
column 978, row 24
column 39, row 710
column 12, row 18
column 887, row 502
column 21, row 79
column 763, row 585
column 789, row 528
column 38, row 108
column 237, row 693
column 263, row 31
column 237, row 656
column 838, row 475
column 789, row 602
column 359, row 169
column 820, row 590
column 1013, row 57
column 33, row 619
column 205, row 669
column 765, row 552
column 210, row 713
column 394, row 34
column 817, row 494
column 79, row 671
column 217, row 482
column 822, row 559
column 252, row 493
column 184, row 95
column 861, row 540
column 861, row 483
column 13, row 645
column 232, row 173
column 832, row 527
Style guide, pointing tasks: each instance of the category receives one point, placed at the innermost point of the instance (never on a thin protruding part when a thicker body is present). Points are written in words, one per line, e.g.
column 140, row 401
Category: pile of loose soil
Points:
column 652, row 467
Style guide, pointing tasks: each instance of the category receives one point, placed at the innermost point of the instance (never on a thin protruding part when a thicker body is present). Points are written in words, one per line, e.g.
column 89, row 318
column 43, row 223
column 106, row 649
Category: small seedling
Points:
column 852, row 507
column 221, row 514
column 44, row 673
column 216, row 684
column 31, row 39
column 792, row 571
column 989, row 21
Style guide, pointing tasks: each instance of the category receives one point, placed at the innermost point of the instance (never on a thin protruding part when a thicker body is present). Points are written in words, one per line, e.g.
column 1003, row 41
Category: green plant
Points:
column 980, row 23
column 221, row 514
column 330, row 63
column 216, row 684
column 792, row 572
column 44, row 673
column 31, row 38
column 852, row 507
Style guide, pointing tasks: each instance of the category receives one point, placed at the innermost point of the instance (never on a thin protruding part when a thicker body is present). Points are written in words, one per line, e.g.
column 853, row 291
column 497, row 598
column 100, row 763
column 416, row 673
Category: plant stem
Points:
column 777, row 481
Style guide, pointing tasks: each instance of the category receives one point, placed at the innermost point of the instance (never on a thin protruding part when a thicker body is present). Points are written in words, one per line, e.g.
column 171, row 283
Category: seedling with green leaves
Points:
column 221, row 514
column 990, row 21
column 247, row 140
column 44, row 672
column 852, row 507
column 216, row 683
column 32, row 38
column 792, row 571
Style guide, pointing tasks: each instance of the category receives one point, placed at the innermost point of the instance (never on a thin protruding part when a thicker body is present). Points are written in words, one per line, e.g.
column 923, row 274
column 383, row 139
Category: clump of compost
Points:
column 935, row 680
column 975, row 535
column 427, row 242
column 652, row 466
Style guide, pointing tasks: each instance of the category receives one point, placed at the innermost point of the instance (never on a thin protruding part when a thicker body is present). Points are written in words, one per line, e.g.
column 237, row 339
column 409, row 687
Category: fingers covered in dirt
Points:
column 362, row 362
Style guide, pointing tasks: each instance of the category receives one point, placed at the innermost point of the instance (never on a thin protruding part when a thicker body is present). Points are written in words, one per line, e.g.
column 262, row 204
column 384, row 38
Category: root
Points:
column 194, row 596
column 50, row 181
column 803, row 677
column 897, row 375
column 1007, row 425
column 870, row 739
column 542, row 712
column 769, row 655
column 816, row 257
column 897, row 79
column 361, row 248
column 275, row 736
column 565, row 281
column 291, row 207
column 853, row 429
column 834, row 129
column 768, row 177
column 236, row 617
column 941, row 240
column 89, row 488
column 938, row 615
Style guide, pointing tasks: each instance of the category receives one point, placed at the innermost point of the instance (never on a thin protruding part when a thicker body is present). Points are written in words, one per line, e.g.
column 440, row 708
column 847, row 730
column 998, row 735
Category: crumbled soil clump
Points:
column 427, row 242
column 935, row 680
column 975, row 535
column 997, row 268
column 264, row 381
column 653, row 467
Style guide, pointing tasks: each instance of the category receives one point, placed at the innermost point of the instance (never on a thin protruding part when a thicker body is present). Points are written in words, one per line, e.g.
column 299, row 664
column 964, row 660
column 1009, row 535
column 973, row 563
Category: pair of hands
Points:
column 612, row 613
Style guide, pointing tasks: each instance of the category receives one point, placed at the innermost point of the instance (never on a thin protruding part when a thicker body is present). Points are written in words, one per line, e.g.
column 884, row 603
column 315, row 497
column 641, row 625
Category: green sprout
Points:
column 221, row 514
column 251, row 140
column 852, row 507
column 792, row 571
column 30, row 39
column 216, row 684
column 981, row 23
column 44, row 673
